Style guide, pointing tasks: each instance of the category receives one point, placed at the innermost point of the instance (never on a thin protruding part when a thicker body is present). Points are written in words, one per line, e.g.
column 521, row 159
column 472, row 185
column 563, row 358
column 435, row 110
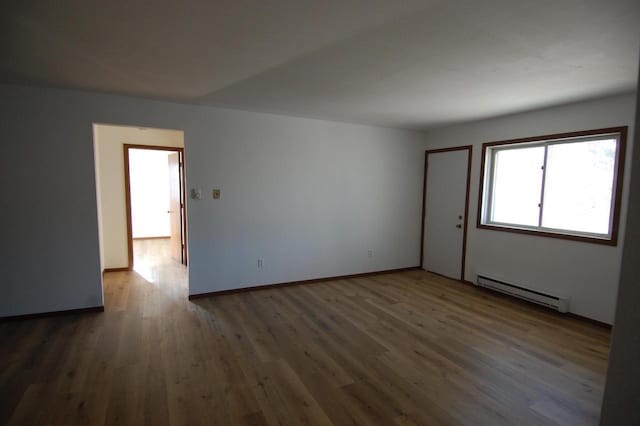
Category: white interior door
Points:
column 445, row 212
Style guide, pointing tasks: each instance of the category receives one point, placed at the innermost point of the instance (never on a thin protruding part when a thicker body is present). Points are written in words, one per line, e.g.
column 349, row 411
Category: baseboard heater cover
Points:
column 561, row 304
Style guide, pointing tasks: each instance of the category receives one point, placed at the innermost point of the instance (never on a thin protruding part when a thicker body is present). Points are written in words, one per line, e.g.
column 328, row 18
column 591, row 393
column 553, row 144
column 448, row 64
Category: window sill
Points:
column 561, row 236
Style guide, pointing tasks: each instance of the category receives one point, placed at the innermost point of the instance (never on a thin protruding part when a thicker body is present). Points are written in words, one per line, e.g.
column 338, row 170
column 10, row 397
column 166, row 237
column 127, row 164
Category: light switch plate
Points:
column 216, row 194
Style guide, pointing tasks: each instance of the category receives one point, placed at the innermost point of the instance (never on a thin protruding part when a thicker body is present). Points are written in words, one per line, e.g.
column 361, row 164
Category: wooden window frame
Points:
column 618, row 178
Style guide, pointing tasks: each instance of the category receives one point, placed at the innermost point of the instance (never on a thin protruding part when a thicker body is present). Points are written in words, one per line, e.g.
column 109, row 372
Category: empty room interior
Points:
column 332, row 212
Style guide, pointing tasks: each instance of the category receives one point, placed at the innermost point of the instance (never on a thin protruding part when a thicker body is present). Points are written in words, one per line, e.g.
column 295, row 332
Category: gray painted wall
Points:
column 49, row 253
column 310, row 197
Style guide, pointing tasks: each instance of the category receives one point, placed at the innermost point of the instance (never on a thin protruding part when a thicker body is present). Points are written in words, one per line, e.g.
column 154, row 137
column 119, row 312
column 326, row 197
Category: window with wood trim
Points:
column 565, row 186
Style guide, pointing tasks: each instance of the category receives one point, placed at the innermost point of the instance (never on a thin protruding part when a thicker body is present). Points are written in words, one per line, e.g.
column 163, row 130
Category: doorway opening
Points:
column 155, row 205
column 113, row 145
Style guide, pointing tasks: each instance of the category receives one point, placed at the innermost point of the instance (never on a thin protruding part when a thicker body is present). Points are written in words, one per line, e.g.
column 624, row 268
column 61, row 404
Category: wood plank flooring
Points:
column 408, row 348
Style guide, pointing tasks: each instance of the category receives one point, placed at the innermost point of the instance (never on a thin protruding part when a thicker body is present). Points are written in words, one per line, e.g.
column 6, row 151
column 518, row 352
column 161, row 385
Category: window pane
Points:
column 517, row 186
column 578, row 186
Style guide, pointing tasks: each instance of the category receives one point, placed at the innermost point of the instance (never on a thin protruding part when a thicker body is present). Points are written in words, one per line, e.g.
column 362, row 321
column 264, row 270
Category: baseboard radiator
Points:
column 560, row 304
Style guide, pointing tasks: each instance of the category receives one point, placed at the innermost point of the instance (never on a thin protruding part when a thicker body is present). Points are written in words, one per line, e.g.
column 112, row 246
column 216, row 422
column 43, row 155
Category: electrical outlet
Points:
column 370, row 253
column 260, row 263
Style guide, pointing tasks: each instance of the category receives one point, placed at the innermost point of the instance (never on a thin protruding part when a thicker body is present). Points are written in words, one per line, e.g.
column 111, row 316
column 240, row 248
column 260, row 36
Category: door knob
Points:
column 458, row 226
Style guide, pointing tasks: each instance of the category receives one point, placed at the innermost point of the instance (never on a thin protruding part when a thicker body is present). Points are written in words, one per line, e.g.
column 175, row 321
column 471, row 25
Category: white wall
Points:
column 109, row 141
column 588, row 273
column 308, row 196
column 149, row 180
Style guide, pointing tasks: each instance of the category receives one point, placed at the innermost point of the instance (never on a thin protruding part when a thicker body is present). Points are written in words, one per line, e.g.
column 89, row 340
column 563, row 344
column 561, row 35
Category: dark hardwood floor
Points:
column 406, row 348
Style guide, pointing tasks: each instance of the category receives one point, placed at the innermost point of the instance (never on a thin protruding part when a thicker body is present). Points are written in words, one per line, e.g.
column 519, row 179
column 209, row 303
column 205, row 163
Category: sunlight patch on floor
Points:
column 147, row 271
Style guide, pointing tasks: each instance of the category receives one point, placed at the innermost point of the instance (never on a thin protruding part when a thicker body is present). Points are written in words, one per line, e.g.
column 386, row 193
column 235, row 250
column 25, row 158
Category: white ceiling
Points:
column 403, row 63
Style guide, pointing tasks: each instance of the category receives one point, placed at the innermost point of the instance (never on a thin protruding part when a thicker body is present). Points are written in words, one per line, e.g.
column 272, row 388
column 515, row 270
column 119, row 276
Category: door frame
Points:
column 127, row 191
column 468, row 148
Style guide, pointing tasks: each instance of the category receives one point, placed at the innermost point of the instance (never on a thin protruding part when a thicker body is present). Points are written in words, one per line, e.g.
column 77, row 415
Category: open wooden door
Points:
column 175, row 208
